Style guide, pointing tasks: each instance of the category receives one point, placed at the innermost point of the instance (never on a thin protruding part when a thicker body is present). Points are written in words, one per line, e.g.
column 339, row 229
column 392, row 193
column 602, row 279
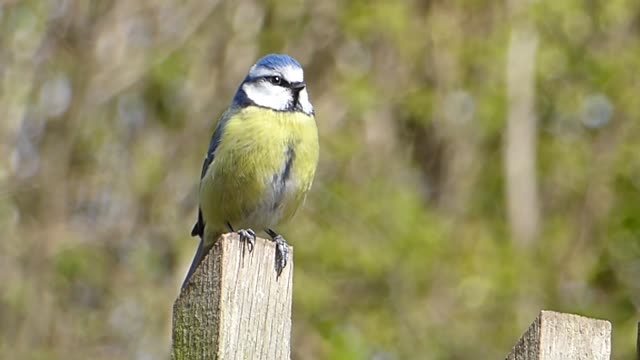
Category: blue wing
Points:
column 198, row 228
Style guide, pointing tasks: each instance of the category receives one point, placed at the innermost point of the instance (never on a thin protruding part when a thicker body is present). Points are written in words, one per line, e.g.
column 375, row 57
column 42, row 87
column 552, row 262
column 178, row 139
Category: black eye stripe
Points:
column 277, row 80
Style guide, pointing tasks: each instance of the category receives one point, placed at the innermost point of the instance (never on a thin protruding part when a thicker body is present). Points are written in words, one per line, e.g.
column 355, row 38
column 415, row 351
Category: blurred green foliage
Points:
column 403, row 250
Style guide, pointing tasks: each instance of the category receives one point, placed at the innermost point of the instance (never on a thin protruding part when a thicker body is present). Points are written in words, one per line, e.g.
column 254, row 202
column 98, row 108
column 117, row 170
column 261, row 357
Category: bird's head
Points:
column 275, row 82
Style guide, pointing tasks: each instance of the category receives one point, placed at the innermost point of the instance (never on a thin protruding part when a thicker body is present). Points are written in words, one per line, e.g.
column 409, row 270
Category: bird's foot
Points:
column 248, row 238
column 282, row 251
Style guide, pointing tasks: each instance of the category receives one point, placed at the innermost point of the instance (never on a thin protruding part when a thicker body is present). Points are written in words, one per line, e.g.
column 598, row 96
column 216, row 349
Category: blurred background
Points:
column 479, row 162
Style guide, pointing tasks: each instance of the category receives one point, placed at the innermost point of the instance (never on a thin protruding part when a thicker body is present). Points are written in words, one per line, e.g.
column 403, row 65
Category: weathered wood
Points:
column 558, row 336
column 235, row 307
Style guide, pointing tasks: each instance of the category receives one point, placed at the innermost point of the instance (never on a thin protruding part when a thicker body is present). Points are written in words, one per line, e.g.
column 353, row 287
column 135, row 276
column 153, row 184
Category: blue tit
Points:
column 261, row 159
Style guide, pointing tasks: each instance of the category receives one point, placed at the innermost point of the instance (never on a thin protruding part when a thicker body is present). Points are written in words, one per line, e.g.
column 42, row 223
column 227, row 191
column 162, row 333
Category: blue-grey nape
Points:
column 277, row 61
column 240, row 99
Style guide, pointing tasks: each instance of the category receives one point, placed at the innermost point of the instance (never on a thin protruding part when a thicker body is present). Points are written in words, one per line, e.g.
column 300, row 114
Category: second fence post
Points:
column 558, row 336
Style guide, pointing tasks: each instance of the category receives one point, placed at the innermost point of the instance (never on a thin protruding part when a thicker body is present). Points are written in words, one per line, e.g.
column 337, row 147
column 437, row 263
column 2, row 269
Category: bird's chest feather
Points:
column 264, row 165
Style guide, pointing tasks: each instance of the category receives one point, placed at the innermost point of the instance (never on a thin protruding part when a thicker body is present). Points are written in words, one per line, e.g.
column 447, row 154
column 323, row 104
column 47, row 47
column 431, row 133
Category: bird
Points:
column 261, row 160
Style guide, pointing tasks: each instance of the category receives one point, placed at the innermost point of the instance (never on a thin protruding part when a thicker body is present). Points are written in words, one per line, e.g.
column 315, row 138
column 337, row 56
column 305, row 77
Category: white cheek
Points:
column 303, row 99
column 268, row 96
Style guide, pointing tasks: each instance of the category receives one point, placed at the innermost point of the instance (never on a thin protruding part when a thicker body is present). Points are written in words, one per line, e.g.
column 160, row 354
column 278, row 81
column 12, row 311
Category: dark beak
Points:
column 297, row 86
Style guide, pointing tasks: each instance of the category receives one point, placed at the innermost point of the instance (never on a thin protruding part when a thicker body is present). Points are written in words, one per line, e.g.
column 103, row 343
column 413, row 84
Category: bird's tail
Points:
column 202, row 251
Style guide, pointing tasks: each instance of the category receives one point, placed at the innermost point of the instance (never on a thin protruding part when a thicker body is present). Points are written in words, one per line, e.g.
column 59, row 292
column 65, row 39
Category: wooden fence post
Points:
column 558, row 336
column 234, row 306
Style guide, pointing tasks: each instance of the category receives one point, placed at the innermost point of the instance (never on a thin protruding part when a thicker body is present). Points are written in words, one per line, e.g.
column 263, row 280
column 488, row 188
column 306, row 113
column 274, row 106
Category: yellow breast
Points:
column 262, row 170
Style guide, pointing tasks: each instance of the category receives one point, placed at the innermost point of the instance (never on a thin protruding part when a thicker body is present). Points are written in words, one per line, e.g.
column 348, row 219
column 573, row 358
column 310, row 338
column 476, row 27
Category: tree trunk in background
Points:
column 521, row 133
column 454, row 125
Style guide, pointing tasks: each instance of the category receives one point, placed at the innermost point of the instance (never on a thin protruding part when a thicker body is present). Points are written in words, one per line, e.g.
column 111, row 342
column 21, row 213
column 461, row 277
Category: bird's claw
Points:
column 282, row 251
column 248, row 238
column 282, row 254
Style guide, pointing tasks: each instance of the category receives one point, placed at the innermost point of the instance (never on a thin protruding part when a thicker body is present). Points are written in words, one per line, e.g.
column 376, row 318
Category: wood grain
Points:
column 235, row 307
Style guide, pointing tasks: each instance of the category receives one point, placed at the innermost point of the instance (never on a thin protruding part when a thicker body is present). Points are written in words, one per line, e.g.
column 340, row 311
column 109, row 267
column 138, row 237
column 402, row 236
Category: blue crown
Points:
column 277, row 61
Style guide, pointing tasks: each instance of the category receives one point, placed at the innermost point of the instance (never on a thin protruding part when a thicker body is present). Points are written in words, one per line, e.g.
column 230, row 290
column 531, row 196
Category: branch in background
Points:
column 521, row 135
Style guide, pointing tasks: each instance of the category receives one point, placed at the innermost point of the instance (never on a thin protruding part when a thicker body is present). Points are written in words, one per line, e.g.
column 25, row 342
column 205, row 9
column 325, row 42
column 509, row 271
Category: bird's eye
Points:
column 275, row 80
